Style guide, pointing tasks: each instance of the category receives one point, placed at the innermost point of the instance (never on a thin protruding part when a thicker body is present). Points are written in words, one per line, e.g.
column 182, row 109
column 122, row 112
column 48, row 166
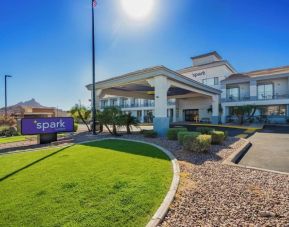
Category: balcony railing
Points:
column 137, row 105
column 259, row 98
column 237, row 99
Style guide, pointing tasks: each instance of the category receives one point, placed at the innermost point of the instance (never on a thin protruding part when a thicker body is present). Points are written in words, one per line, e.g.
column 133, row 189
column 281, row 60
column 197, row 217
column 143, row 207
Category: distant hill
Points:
column 30, row 103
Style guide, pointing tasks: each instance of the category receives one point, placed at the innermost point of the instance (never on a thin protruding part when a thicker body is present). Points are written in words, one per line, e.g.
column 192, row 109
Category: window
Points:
column 113, row 102
column 279, row 110
column 233, row 93
column 265, row 91
column 103, row 103
column 123, row 102
column 211, row 81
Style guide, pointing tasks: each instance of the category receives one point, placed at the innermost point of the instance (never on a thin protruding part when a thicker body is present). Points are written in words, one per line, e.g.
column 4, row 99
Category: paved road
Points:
column 270, row 149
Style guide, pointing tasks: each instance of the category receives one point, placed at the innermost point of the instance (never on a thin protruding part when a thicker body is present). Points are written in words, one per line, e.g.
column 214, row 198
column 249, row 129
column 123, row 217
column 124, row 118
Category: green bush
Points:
column 75, row 127
column 172, row 133
column 205, row 130
column 150, row 133
column 8, row 131
column 218, row 137
column 201, row 143
column 183, row 133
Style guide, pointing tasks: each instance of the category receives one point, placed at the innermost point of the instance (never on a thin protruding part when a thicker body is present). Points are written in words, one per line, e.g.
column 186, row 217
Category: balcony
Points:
column 137, row 105
column 237, row 99
column 259, row 98
column 271, row 97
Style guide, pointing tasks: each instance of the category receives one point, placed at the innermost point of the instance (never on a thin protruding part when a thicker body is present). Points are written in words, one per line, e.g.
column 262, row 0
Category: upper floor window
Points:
column 113, row 102
column 233, row 93
column 211, row 81
column 265, row 91
column 104, row 103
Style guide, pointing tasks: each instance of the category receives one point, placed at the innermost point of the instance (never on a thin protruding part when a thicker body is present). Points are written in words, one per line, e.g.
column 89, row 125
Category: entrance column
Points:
column 161, row 120
column 215, row 108
column 97, row 98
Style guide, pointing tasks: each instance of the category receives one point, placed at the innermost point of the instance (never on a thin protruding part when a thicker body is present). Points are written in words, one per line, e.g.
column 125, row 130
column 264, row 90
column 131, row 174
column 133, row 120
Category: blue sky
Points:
column 46, row 45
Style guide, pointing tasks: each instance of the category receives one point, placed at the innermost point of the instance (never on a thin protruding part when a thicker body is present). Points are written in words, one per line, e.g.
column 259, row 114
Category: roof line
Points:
column 207, row 54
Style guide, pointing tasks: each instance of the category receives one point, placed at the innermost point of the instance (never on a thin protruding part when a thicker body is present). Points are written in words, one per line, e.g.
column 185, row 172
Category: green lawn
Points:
column 12, row 139
column 105, row 183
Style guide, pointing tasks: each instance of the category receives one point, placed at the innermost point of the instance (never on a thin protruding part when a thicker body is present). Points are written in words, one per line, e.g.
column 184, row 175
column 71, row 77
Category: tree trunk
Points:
column 128, row 129
column 82, row 119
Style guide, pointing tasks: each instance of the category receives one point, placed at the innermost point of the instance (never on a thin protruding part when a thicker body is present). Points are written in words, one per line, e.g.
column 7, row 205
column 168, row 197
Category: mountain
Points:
column 30, row 103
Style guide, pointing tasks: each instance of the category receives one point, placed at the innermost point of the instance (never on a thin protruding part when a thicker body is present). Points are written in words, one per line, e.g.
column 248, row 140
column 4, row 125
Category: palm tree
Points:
column 81, row 113
column 111, row 116
column 130, row 121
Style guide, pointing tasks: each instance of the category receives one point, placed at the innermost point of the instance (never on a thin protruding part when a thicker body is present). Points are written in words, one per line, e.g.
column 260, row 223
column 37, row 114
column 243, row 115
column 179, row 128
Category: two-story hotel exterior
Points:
column 207, row 91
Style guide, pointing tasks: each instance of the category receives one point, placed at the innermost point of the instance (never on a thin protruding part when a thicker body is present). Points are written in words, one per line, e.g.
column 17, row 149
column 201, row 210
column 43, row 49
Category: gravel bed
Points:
column 213, row 194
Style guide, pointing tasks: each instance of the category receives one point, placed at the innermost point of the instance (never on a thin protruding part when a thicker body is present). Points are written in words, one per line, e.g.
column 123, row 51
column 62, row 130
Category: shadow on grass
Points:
column 32, row 163
column 131, row 147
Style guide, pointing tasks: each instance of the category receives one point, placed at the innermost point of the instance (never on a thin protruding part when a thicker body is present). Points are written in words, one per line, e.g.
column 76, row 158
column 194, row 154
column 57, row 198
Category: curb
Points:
column 231, row 160
column 164, row 207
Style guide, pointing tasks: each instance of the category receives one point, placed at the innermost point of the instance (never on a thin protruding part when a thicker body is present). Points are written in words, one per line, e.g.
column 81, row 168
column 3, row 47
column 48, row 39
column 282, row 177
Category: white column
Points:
column 142, row 116
column 161, row 120
column 253, row 90
column 97, row 98
column 224, row 92
column 161, row 100
column 215, row 109
column 224, row 114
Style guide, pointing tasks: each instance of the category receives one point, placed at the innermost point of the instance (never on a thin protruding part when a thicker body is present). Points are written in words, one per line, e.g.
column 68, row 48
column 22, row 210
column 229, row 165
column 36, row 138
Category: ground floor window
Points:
column 279, row 110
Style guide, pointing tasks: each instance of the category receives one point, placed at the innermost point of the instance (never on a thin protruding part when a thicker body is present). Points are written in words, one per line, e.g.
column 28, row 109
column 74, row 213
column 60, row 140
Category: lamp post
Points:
column 6, row 76
column 93, row 4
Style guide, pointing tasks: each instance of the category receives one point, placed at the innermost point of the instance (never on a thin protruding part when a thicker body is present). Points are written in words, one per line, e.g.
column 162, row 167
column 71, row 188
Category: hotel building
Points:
column 207, row 91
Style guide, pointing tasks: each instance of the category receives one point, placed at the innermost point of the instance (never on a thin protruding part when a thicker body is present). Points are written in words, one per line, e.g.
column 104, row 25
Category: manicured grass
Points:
column 105, row 183
column 12, row 139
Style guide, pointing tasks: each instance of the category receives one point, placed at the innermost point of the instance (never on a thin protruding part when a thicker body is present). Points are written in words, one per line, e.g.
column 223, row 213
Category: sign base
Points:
column 47, row 138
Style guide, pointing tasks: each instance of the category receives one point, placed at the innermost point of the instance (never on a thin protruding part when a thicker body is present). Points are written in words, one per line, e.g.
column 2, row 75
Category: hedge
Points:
column 205, row 130
column 218, row 137
column 201, row 143
column 172, row 133
column 150, row 133
column 182, row 134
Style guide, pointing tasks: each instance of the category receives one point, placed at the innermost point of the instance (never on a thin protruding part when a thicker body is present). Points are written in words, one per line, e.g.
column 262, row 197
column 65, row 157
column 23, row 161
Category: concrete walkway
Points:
column 270, row 149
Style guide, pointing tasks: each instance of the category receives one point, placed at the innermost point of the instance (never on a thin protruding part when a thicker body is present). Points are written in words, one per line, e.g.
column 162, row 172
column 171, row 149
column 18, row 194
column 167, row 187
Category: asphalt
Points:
column 270, row 149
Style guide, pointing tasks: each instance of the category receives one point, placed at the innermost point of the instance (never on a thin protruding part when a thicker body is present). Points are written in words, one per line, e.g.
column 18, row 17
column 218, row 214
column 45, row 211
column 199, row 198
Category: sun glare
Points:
column 138, row 9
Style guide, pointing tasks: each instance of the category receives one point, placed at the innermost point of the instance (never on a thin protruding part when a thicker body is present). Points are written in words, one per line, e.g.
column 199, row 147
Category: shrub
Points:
column 218, row 137
column 8, row 131
column 205, row 130
column 172, row 133
column 10, row 121
column 75, row 127
column 150, row 133
column 199, row 143
column 184, row 133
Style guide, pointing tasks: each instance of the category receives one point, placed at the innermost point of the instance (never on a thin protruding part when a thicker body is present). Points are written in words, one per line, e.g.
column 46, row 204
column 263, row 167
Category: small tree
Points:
column 81, row 114
column 244, row 111
column 111, row 116
column 129, row 121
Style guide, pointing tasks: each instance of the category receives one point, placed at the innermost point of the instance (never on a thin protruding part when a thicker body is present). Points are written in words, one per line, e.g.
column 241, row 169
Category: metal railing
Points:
column 136, row 105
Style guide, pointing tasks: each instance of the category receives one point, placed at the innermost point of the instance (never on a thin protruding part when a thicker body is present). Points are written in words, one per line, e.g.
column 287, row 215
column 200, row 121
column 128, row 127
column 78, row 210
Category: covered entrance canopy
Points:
column 159, row 84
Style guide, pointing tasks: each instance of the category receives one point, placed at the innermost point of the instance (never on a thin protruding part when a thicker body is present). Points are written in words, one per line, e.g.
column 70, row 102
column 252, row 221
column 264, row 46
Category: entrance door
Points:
column 191, row 115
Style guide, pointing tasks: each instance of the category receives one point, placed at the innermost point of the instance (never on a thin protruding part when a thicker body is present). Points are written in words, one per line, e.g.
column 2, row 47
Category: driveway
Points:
column 270, row 149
